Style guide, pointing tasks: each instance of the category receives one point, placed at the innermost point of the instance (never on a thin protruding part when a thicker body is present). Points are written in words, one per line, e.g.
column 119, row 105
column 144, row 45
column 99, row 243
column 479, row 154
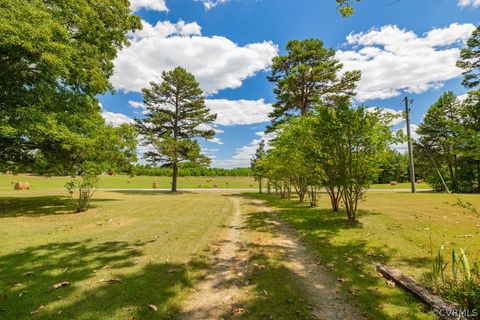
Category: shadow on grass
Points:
column 351, row 261
column 38, row 206
column 27, row 277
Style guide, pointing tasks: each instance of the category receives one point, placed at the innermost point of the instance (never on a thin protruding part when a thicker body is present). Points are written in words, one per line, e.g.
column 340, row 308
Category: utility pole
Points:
column 409, row 140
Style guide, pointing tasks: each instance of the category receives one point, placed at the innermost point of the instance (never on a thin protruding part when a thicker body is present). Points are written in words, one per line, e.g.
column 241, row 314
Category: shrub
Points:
column 80, row 190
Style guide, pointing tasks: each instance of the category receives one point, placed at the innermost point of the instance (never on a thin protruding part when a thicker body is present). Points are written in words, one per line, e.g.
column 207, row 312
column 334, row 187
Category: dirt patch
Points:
column 220, row 292
column 217, row 293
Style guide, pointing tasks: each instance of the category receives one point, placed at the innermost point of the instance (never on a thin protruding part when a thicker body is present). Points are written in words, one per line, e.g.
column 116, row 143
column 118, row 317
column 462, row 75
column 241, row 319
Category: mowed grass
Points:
column 393, row 228
column 131, row 250
column 420, row 186
column 146, row 182
column 127, row 182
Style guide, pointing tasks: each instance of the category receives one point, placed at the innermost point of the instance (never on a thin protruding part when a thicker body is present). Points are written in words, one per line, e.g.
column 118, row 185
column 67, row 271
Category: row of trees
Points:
column 189, row 169
column 320, row 139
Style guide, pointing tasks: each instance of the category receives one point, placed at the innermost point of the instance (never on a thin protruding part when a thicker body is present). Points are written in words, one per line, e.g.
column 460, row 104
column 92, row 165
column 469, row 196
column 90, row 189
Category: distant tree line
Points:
column 191, row 170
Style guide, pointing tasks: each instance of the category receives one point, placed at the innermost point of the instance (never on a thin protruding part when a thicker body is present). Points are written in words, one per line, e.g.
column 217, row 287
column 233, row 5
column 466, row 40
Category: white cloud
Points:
column 228, row 164
column 216, row 140
column 467, row 3
column 239, row 112
column 217, row 62
column 244, row 155
column 164, row 29
column 152, row 5
column 230, row 112
column 136, row 104
column 115, row 119
column 209, row 4
column 393, row 59
column 463, row 97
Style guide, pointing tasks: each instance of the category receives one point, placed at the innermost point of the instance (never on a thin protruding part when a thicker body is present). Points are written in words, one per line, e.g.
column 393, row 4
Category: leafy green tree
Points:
column 469, row 136
column 56, row 57
column 470, row 61
column 257, row 164
column 345, row 8
column 292, row 147
column 307, row 76
column 439, row 133
column 176, row 116
column 394, row 167
column 355, row 141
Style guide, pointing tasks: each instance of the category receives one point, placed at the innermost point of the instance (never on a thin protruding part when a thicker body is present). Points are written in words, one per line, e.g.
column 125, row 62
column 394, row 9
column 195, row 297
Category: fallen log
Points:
column 445, row 309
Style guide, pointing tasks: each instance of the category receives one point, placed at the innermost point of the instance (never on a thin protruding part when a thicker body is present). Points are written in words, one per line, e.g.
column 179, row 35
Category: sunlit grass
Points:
column 393, row 228
column 131, row 250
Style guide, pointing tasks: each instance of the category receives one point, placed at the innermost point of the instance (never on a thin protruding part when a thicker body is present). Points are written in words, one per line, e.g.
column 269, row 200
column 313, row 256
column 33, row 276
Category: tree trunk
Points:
column 478, row 175
column 313, row 196
column 350, row 201
column 259, row 185
column 452, row 175
column 174, row 177
column 335, row 197
column 268, row 186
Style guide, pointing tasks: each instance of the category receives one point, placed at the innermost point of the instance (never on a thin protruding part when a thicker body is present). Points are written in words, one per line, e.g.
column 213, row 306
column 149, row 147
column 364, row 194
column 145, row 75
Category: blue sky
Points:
column 405, row 47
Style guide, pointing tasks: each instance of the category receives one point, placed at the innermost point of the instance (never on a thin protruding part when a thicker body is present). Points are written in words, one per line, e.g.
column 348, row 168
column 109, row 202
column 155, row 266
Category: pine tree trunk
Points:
column 478, row 175
column 174, row 177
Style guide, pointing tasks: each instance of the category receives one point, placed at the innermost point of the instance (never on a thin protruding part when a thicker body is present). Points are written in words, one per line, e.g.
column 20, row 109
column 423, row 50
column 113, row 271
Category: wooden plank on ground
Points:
column 443, row 308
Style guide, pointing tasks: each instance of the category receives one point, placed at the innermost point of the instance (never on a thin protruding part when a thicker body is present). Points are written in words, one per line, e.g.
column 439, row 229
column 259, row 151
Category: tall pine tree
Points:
column 176, row 117
column 308, row 76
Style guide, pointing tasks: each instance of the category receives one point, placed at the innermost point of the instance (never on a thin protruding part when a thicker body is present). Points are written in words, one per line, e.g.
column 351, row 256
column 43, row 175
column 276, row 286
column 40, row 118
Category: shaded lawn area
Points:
column 394, row 228
column 130, row 251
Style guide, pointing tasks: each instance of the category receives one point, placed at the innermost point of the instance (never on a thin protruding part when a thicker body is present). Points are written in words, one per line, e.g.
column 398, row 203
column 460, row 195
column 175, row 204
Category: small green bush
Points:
column 80, row 189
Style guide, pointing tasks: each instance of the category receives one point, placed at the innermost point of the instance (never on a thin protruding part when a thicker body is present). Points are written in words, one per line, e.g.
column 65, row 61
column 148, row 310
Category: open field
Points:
column 395, row 229
column 136, row 248
column 131, row 250
column 126, row 182
column 145, row 182
column 420, row 186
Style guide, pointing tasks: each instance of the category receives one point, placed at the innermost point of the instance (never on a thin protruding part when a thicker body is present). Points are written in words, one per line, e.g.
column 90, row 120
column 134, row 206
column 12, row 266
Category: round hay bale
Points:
column 393, row 183
column 420, row 181
column 155, row 185
column 21, row 186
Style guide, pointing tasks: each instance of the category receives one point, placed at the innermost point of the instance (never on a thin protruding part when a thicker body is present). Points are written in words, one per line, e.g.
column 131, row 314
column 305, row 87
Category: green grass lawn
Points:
column 146, row 182
column 407, row 185
column 131, row 250
column 126, row 182
column 395, row 229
